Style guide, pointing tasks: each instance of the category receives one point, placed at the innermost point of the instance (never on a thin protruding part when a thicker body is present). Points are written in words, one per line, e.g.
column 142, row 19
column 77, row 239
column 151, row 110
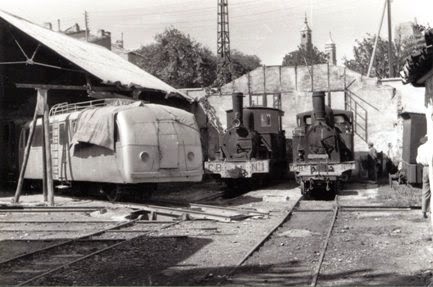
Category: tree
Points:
column 242, row 63
column 305, row 56
column 184, row 63
column 402, row 47
column 178, row 60
column 362, row 52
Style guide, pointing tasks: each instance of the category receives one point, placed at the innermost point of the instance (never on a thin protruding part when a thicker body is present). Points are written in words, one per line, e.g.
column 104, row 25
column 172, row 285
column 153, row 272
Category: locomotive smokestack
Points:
column 237, row 108
column 319, row 105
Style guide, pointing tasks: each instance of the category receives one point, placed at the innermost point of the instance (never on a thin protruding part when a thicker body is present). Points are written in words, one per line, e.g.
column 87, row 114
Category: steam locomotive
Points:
column 253, row 146
column 323, row 154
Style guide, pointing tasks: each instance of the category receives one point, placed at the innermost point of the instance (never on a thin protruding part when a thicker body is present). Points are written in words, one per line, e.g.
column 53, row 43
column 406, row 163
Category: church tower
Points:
column 331, row 51
column 306, row 41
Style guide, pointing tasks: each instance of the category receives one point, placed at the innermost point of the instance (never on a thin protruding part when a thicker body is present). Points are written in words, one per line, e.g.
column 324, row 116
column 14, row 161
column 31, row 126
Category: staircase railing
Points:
column 360, row 114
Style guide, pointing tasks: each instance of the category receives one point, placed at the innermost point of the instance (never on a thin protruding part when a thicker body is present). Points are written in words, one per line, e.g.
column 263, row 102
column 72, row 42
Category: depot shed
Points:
column 33, row 56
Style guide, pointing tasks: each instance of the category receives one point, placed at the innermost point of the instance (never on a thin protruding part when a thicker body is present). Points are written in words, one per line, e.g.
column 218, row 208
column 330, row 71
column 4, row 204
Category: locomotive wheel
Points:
column 111, row 191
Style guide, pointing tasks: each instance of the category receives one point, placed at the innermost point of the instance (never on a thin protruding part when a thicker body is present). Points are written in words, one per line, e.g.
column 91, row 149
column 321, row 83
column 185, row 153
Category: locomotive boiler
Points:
column 117, row 146
column 323, row 154
column 252, row 147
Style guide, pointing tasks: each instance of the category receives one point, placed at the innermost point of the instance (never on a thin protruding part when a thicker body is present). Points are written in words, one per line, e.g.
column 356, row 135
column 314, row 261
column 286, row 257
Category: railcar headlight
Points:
column 144, row 156
column 190, row 156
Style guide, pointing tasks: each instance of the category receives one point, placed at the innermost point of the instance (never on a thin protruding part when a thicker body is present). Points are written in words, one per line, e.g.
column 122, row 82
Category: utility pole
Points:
column 390, row 54
column 373, row 54
column 223, row 48
column 223, row 43
column 86, row 24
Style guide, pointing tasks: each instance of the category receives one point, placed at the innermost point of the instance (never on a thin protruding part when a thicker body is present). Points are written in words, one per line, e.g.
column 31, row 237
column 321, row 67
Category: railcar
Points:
column 323, row 152
column 118, row 146
column 253, row 146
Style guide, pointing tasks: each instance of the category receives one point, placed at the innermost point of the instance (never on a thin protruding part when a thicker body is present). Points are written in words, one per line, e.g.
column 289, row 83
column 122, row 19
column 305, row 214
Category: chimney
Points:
column 237, row 99
column 58, row 25
column 48, row 25
column 319, row 105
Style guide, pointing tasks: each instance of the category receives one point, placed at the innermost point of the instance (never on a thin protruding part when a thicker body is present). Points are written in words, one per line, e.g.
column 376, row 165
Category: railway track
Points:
column 304, row 255
column 31, row 266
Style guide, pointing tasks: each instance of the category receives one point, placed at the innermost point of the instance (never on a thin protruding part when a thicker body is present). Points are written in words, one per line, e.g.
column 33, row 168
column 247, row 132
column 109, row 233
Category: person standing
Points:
column 423, row 157
column 372, row 162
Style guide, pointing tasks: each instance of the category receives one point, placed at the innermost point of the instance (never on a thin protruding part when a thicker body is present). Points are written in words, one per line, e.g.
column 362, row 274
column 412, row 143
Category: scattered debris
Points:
column 275, row 198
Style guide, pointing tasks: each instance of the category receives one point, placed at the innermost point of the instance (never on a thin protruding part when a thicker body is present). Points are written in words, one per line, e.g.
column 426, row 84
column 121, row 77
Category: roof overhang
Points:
column 95, row 60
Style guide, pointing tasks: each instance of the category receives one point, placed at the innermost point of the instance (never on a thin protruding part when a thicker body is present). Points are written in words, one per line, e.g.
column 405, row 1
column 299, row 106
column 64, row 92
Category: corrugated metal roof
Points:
column 96, row 60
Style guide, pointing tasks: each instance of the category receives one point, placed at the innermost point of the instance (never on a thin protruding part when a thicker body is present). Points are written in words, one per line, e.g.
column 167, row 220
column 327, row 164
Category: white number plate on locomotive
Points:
column 237, row 169
column 325, row 169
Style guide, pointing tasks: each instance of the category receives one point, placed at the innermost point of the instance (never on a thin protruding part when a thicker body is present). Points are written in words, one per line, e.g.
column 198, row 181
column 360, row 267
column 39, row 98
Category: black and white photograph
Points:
column 216, row 143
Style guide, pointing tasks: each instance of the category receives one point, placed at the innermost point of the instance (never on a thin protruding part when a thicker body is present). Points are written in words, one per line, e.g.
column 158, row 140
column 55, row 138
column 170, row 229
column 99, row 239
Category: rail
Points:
column 80, row 257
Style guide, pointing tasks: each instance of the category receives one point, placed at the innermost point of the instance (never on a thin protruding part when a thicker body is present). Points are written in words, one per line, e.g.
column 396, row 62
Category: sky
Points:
column 266, row 28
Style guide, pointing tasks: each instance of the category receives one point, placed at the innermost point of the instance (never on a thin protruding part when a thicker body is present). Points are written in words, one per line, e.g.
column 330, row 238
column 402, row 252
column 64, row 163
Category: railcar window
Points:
column 74, row 126
column 308, row 120
column 265, row 120
column 63, row 137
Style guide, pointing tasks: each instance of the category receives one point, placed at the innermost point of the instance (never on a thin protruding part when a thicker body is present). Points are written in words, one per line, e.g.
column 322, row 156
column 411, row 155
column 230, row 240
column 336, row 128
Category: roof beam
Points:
column 80, row 88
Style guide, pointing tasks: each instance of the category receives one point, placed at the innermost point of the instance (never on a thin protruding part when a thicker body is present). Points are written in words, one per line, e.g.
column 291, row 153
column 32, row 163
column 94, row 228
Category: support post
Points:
column 38, row 113
column 44, row 164
column 329, row 87
column 373, row 54
column 48, row 161
column 390, row 54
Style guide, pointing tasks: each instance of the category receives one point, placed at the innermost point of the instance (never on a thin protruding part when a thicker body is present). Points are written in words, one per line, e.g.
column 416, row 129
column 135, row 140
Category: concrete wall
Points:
column 294, row 85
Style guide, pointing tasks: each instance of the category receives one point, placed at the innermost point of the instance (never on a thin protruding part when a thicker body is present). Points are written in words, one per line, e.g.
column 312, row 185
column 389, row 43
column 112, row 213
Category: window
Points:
column 265, row 120
column 277, row 101
column 63, row 136
column 257, row 100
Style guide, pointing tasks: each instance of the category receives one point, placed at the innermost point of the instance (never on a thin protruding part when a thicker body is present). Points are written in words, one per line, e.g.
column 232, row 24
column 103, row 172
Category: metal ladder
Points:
column 54, row 136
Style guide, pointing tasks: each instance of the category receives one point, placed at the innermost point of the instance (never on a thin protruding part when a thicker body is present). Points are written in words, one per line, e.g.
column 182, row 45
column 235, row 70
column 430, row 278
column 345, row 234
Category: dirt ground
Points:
column 366, row 248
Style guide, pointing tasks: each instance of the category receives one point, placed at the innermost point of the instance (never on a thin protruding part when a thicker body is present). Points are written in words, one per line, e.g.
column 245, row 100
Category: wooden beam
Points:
column 81, row 88
column 424, row 78
column 46, row 138
column 26, row 156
